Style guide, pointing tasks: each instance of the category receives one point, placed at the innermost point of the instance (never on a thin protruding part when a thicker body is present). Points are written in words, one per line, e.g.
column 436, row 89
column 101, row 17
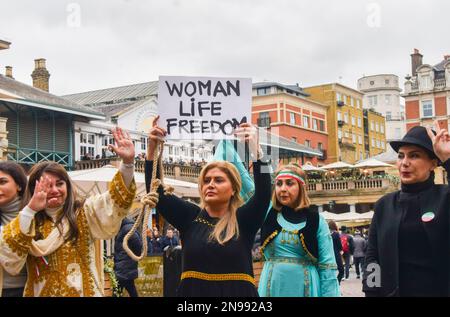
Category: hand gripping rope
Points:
column 151, row 200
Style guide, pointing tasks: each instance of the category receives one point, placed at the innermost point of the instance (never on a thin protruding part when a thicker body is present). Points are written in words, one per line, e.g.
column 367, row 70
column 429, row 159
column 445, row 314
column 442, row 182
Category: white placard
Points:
column 196, row 108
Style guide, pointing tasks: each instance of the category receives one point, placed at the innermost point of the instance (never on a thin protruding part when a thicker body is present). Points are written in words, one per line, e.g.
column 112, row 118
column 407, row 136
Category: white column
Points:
column 352, row 208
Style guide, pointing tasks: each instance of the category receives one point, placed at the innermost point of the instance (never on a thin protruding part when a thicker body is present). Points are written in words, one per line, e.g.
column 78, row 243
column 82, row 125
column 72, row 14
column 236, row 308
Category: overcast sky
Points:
column 99, row 44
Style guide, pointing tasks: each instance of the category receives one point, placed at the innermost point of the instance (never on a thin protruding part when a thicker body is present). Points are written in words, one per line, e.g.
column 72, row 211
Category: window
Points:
column 352, row 102
column 353, row 120
column 192, row 152
column 377, row 127
column 292, row 117
column 382, row 128
column 373, row 100
column 339, row 134
column 359, row 139
column 107, row 139
column 371, row 125
column 339, row 116
column 338, row 96
column 354, row 138
column 177, row 150
column 306, row 122
column 262, row 91
column 86, row 149
column 314, row 121
column 387, row 99
column 388, row 115
column 358, row 103
column 170, row 149
column 378, row 143
column 87, row 141
column 346, row 117
column 143, row 144
column 372, row 83
column 346, row 134
column 426, row 82
column 294, row 139
column 361, row 155
column 320, row 146
column 344, row 98
column 308, row 143
column 263, row 115
column 386, row 81
column 359, row 122
column 373, row 142
column 321, row 125
column 382, row 145
column 427, row 108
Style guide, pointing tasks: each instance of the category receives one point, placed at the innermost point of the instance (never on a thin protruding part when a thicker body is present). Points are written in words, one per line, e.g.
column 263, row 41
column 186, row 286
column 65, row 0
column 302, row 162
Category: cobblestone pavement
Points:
column 352, row 287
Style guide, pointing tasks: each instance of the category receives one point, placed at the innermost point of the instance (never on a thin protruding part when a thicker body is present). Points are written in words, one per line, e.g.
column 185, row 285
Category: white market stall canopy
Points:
column 337, row 165
column 371, row 162
column 347, row 216
column 308, row 167
column 95, row 181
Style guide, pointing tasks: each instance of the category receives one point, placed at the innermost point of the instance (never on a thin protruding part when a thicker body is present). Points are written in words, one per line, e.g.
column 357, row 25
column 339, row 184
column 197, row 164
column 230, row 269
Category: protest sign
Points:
column 198, row 108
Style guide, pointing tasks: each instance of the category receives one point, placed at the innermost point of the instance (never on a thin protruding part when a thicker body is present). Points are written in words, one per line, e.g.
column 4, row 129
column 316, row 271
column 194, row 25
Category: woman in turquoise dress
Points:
column 296, row 243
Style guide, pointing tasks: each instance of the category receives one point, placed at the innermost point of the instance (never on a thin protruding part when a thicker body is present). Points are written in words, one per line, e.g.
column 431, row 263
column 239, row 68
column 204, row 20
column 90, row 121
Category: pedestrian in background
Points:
column 359, row 252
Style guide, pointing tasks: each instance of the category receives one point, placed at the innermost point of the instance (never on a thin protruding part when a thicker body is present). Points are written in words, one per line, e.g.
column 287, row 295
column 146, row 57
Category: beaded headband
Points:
column 283, row 174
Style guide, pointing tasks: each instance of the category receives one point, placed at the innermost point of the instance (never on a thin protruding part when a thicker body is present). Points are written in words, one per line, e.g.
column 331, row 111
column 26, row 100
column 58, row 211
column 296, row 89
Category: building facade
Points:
column 382, row 94
column 427, row 92
column 344, row 121
column 40, row 126
column 374, row 133
column 285, row 111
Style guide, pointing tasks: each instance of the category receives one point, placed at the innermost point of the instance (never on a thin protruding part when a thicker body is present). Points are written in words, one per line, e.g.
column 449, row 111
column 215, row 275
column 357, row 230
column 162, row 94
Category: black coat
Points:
column 124, row 266
column 383, row 238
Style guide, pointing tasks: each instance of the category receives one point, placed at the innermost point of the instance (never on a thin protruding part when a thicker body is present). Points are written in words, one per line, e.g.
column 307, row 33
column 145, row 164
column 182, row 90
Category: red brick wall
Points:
column 412, row 109
column 410, row 125
column 440, row 106
column 318, row 115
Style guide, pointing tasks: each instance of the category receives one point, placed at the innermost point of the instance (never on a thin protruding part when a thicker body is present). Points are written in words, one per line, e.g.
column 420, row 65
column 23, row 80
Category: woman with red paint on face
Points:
column 296, row 243
column 56, row 235
column 218, row 235
column 408, row 246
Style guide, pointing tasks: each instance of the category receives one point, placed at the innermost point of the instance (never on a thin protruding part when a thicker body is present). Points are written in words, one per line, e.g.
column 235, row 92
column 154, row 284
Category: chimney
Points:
column 8, row 72
column 416, row 61
column 40, row 74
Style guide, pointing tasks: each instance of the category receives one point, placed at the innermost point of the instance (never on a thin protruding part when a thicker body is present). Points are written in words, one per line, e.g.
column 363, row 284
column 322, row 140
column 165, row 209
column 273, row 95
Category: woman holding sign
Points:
column 297, row 245
column 218, row 236
column 408, row 247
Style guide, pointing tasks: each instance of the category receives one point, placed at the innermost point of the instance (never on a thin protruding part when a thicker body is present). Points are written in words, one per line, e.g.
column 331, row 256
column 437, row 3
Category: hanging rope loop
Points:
column 149, row 201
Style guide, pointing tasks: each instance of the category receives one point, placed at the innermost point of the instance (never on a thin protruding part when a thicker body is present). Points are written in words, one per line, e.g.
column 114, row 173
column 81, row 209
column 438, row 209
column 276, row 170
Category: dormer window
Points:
column 426, row 82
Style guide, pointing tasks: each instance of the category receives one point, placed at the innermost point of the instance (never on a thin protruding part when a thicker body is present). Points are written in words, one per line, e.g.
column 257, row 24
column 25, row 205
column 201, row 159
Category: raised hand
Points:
column 123, row 146
column 155, row 134
column 39, row 200
column 247, row 132
column 441, row 142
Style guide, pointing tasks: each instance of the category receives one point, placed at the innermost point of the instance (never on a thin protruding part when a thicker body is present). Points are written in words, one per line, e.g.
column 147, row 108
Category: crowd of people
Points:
column 50, row 237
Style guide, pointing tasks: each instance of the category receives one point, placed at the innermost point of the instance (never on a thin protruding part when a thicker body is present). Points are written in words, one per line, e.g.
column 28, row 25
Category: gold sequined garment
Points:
column 66, row 267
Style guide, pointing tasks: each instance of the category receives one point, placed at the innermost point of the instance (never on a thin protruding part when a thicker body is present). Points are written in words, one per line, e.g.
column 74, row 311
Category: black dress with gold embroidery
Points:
column 210, row 269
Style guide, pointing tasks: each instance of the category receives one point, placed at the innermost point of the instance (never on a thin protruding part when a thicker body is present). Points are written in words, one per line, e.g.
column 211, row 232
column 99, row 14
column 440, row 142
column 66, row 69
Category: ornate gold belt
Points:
column 218, row 277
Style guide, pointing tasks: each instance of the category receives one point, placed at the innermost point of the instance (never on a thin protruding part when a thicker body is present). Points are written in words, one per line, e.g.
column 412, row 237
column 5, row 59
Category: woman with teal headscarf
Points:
column 296, row 243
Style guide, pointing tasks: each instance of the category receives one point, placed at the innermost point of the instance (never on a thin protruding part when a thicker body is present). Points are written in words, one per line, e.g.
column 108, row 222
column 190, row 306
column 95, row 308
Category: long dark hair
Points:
column 18, row 174
column 71, row 205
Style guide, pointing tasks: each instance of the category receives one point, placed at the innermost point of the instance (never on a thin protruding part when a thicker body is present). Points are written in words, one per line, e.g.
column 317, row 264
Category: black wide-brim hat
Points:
column 417, row 136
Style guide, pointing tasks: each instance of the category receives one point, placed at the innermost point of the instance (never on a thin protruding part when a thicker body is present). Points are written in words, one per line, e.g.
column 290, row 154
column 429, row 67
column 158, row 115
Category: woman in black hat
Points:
column 408, row 247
